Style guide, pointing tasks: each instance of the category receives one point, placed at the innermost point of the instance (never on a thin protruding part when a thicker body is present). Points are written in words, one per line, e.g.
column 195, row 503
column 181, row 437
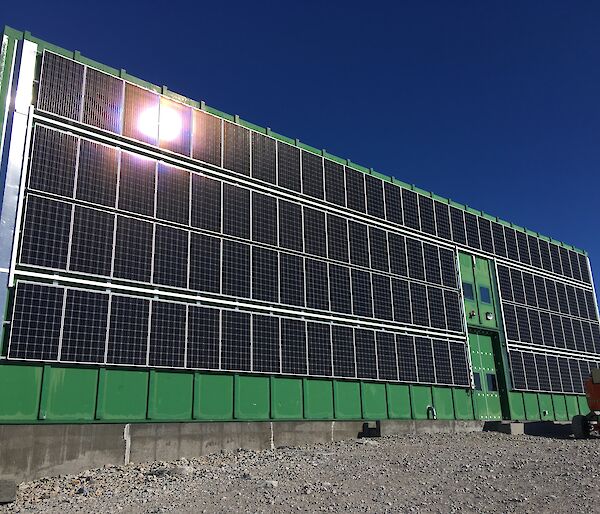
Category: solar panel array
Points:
column 552, row 330
column 223, row 217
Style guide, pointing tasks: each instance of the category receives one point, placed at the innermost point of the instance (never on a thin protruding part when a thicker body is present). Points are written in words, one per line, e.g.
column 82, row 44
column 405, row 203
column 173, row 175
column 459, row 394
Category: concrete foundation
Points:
column 32, row 451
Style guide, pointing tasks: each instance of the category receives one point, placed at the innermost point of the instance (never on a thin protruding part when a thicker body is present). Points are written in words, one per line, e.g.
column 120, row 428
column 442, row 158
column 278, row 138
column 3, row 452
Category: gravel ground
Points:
column 480, row 472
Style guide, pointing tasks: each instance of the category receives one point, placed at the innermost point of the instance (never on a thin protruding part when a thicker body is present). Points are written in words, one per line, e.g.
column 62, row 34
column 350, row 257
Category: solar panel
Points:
column 315, row 238
column 288, row 159
column 36, row 322
column 92, row 241
column 414, row 253
column 171, row 249
column 203, row 335
column 167, row 334
column 441, row 355
column 457, row 222
column 337, row 238
column 103, row 101
column 206, row 138
column 317, row 285
column 235, row 341
column 53, row 161
column 290, row 225
column 265, row 276
column 206, row 203
column 45, row 237
column 264, row 158
column 236, row 148
column 407, row 365
column 379, row 249
column 410, row 209
column 85, row 327
column 485, row 232
column 293, row 346
column 499, row 240
column 366, row 360
column 236, row 269
column 172, row 194
column 265, row 343
column 397, row 250
column 339, row 289
column 292, row 279
column 137, row 178
column 420, row 308
column 335, row 188
column 437, row 314
column 425, row 365
column 236, row 211
column 359, row 244
column 393, row 203
column 264, row 218
column 319, row 349
column 342, row 342
column 205, row 263
column 386, row 356
column 355, row 190
column 472, row 229
column 141, row 111
column 312, row 175
column 512, row 249
column 133, row 249
column 431, row 256
column 523, row 248
column 128, row 331
column 362, row 300
column 401, row 301
column 375, row 203
column 61, row 86
column 175, row 126
column 442, row 220
column 426, row 214
column 382, row 296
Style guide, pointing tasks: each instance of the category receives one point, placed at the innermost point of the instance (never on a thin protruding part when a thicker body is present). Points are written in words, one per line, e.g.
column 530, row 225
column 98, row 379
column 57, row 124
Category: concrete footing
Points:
column 536, row 428
column 32, row 451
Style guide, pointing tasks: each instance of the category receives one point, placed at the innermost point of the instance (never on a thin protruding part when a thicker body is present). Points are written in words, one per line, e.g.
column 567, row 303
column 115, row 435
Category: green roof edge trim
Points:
column 76, row 55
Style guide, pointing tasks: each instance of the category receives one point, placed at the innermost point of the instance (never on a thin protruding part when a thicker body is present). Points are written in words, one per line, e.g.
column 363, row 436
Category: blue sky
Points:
column 492, row 104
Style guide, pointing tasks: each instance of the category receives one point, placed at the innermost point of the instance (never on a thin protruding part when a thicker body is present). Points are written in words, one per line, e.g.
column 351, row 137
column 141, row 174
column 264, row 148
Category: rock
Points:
column 271, row 484
column 181, row 470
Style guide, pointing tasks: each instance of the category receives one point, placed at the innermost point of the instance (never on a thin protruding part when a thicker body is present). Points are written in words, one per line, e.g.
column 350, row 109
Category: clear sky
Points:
column 492, row 104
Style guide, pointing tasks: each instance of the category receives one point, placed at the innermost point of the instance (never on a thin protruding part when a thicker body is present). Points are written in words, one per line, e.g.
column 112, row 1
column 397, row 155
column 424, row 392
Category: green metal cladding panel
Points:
column 572, row 405
column 170, row 395
column 251, row 397
column 286, row 398
column 583, row 405
column 560, row 407
column 421, row 401
column 532, row 407
column 442, row 401
column 463, row 403
column 546, row 407
column 213, row 396
column 20, row 388
column 517, row 407
column 398, row 400
column 122, row 394
column 318, row 399
column 346, row 399
column 374, row 401
column 68, row 394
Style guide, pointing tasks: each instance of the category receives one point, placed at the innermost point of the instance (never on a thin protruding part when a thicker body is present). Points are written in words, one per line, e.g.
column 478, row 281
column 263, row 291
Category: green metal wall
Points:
column 47, row 393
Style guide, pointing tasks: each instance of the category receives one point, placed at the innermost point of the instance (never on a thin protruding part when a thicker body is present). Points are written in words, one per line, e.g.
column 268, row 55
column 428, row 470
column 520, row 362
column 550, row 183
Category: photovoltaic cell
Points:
column 431, row 257
column 379, row 249
column 167, row 334
column 472, row 230
column 523, row 248
column 458, row 226
column 264, row 160
column 337, row 238
column 420, row 308
column 236, row 152
column 317, row 285
column 290, row 225
column 401, row 301
column 362, row 301
column 339, row 289
column 448, row 267
column 382, row 296
column 36, row 322
column 175, row 126
column 141, row 110
column 499, row 239
column 407, row 366
column 414, row 252
column 458, row 358
column 397, row 249
column 485, row 232
column 53, row 161
column 359, row 244
column 292, row 279
column 425, row 365
column 511, row 244
column 435, row 297
column 442, row 220
column 441, row 354
column 518, row 370
column 236, row 269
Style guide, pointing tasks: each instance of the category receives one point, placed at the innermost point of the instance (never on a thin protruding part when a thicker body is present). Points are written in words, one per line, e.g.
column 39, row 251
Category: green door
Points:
column 478, row 293
column 486, row 398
